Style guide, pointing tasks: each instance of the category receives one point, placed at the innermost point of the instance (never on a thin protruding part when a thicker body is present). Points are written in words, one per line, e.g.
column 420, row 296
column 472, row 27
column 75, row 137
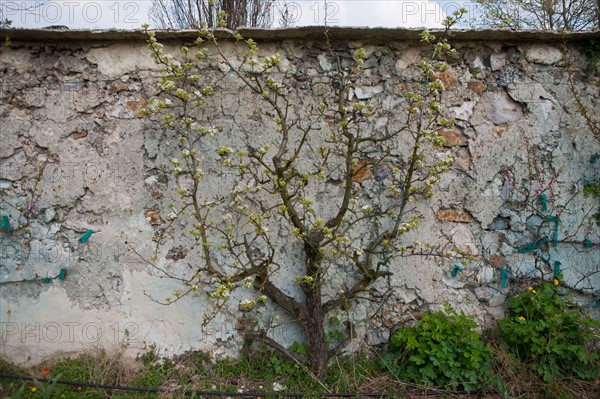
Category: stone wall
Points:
column 76, row 155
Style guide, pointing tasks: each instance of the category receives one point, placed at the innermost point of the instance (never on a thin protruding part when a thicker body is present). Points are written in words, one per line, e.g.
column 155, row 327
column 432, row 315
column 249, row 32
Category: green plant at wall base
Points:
column 442, row 349
column 551, row 333
column 40, row 390
column 19, row 393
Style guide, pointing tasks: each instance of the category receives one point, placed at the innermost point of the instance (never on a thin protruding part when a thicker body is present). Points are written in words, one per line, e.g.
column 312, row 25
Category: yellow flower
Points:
column 590, row 315
column 521, row 318
column 530, row 288
column 33, row 389
column 533, row 291
column 555, row 282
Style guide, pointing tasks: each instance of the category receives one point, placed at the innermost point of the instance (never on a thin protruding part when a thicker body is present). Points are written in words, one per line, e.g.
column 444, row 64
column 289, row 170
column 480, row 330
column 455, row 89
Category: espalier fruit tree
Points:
column 313, row 138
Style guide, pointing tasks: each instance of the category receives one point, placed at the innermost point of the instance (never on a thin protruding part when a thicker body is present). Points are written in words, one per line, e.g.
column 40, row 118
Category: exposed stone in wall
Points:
column 453, row 138
column 74, row 147
column 454, row 215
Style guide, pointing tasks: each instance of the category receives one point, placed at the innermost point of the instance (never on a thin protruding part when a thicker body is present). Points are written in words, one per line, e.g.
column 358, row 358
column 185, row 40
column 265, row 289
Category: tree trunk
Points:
column 317, row 351
column 315, row 330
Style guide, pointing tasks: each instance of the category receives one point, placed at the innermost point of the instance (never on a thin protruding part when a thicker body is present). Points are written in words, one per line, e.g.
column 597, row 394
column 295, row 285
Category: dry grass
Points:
column 99, row 366
column 520, row 382
column 256, row 373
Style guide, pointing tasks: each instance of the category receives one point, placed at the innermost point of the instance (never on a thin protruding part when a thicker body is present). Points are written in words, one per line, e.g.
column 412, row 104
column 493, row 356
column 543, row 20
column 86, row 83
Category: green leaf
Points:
column 299, row 348
column 553, row 337
column 441, row 349
column 418, row 360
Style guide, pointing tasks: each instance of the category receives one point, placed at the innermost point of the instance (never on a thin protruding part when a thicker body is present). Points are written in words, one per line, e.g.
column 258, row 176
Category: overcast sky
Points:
column 131, row 14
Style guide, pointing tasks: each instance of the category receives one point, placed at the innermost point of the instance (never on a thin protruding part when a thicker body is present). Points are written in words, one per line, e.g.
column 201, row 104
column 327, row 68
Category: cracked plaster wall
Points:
column 72, row 144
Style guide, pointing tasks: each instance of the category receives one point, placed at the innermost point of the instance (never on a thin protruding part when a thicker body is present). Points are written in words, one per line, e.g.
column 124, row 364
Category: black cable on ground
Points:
column 188, row 392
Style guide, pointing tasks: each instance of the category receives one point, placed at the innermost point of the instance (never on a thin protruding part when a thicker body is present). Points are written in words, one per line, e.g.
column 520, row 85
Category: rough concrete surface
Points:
column 76, row 155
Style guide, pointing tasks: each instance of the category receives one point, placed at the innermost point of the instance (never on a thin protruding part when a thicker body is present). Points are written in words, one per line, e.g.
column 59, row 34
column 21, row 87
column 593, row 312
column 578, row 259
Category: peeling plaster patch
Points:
column 490, row 241
column 185, row 181
column 499, row 108
column 46, row 333
column 541, row 104
column 420, row 276
column 478, row 63
column 12, row 169
column 453, row 282
column 407, row 58
column 48, row 134
column 497, row 61
column 484, row 206
column 485, row 275
column 464, row 111
column 378, row 337
column 120, row 59
column 543, row 54
column 524, row 265
column 463, row 158
column 529, row 92
column 585, row 272
column 13, row 126
column 407, row 295
column 366, row 92
column 463, row 238
column 67, row 331
column 20, row 60
column 324, row 62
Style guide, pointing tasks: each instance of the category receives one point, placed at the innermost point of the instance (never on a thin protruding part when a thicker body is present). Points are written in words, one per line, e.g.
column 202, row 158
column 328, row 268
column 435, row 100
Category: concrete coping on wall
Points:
column 372, row 35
